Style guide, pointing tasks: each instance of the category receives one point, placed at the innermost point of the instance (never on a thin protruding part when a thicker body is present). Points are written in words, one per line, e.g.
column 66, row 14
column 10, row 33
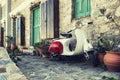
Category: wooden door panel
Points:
column 50, row 18
column 43, row 30
column 36, row 25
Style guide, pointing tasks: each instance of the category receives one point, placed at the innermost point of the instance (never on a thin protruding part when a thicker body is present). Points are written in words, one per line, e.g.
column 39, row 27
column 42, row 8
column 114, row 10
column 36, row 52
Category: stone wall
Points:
column 105, row 17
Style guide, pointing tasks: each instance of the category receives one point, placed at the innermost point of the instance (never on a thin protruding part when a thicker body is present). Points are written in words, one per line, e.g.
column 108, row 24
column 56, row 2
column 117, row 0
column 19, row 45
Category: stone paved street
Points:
column 37, row 68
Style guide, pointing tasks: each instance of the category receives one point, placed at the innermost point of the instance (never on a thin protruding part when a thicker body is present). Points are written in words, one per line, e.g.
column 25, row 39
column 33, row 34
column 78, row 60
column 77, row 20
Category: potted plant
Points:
column 112, row 56
column 12, row 48
column 10, row 41
column 42, row 48
column 103, row 42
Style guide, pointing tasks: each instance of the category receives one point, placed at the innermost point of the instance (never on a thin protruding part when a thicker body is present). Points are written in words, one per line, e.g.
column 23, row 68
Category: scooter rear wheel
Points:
column 93, row 59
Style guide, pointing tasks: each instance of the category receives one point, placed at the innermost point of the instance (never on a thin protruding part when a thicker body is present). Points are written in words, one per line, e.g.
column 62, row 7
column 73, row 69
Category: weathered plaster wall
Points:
column 105, row 17
column 3, row 11
column 16, row 3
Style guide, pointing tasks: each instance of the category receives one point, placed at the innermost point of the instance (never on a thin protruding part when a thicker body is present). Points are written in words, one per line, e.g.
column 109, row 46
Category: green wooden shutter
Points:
column 18, row 25
column 82, row 8
column 78, row 8
column 36, row 25
column 88, row 7
column 22, row 31
column 1, row 36
column 14, row 30
column 56, row 18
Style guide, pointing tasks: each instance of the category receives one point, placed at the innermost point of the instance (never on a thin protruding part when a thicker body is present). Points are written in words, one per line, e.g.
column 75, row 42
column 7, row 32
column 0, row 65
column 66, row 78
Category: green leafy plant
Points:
column 9, row 39
column 106, row 42
column 103, row 66
column 42, row 48
column 13, row 57
column 117, row 46
column 108, row 78
column 44, row 43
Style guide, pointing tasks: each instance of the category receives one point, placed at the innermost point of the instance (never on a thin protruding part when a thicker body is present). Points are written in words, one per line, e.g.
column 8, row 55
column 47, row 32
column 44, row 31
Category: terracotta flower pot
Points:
column 101, row 57
column 112, row 61
column 12, row 47
column 42, row 52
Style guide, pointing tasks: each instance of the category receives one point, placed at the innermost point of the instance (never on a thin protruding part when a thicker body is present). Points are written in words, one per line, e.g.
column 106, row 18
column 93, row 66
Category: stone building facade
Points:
column 104, row 17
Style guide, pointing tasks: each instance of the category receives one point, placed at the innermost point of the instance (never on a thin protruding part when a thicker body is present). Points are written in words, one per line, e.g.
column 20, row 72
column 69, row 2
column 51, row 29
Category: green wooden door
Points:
column 36, row 25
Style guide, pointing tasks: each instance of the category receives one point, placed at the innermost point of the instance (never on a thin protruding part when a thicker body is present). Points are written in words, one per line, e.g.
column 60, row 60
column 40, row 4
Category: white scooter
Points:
column 71, row 45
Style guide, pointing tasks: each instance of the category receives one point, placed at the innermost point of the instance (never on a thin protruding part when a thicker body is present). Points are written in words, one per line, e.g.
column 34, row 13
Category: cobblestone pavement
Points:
column 37, row 68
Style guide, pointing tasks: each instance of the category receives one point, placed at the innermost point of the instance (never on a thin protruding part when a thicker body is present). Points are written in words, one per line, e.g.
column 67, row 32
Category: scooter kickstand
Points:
column 86, row 55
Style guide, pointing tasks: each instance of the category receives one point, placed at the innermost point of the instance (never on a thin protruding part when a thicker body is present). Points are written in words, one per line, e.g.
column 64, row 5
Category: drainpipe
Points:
column 0, row 23
column 0, row 15
column 8, row 21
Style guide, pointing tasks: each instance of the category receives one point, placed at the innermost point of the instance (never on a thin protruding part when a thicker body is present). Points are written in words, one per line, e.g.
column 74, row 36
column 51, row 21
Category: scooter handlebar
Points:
column 69, row 31
column 72, row 29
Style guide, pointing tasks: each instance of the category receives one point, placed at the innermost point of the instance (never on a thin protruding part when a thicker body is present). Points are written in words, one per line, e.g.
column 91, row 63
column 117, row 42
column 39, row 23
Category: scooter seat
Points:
column 67, row 35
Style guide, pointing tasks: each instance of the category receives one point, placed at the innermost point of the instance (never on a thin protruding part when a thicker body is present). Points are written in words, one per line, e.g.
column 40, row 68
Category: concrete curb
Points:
column 8, row 69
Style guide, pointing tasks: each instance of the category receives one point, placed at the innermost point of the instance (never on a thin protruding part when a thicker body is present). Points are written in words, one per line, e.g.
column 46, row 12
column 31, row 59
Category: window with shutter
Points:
column 22, row 30
column 1, row 36
column 18, row 21
column 82, row 8
column 14, row 30
column 19, row 31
